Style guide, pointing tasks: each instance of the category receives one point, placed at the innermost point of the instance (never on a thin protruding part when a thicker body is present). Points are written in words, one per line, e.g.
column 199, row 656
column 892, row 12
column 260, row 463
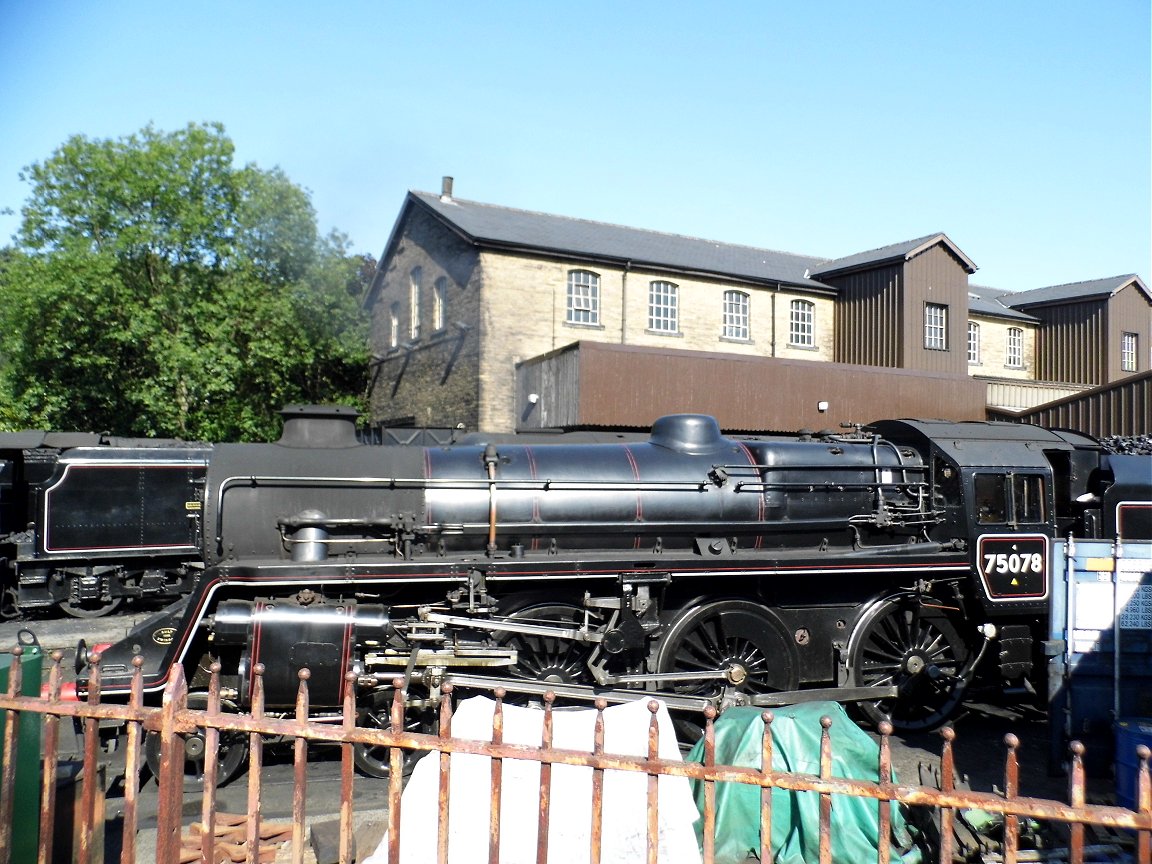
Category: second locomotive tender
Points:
column 704, row 568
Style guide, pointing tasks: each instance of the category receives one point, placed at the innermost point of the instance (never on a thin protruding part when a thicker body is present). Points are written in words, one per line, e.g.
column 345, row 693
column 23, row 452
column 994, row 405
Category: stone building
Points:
column 503, row 319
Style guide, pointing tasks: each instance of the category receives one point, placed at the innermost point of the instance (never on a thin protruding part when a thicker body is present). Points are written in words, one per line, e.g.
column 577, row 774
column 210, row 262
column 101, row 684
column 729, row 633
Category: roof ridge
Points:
column 907, row 242
column 617, row 225
column 1085, row 282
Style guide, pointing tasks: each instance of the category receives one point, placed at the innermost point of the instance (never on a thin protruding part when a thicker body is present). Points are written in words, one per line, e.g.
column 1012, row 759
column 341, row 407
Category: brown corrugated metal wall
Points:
column 1128, row 313
column 935, row 276
column 869, row 316
column 1071, row 344
column 621, row 386
column 1121, row 408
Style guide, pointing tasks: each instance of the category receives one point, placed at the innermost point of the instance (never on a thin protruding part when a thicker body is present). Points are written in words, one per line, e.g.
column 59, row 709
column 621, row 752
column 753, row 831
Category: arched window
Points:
column 973, row 343
column 583, row 297
column 394, row 325
column 1014, row 352
column 439, row 298
column 414, row 302
column 663, row 309
column 802, row 323
column 736, row 316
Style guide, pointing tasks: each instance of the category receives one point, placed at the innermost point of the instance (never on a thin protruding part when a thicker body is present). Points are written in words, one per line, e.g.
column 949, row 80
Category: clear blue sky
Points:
column 1021, row 129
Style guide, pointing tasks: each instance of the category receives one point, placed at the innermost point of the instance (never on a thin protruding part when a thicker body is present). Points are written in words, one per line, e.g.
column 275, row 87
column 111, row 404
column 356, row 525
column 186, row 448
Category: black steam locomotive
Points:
column 883, row 565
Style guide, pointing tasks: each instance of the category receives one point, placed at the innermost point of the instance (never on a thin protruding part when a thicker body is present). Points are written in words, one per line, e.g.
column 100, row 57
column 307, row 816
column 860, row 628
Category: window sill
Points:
column 580, row 326
column 673, row 333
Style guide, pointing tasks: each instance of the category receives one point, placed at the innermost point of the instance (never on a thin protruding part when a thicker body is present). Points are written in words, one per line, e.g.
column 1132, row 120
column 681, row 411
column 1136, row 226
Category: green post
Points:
column 26, row 800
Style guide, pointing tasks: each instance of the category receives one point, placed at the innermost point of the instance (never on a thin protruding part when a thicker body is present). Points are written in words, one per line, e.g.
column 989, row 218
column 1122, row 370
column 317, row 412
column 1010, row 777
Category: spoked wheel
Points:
column 231, row 753
column 901, row 643
column 547, row 658
column 374, row 760
column 741, row 639
column 93, row 608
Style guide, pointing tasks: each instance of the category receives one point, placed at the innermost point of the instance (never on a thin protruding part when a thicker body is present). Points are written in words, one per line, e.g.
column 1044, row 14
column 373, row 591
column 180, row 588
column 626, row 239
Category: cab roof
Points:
column 986, row 444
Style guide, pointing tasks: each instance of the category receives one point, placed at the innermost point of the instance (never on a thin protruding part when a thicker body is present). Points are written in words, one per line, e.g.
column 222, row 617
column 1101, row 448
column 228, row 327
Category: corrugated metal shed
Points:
column 591, row 384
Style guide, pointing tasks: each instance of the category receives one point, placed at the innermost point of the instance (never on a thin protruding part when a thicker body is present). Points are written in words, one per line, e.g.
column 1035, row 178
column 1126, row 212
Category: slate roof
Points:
column 894, row 252
column 492, row 226
column 989, row 301
column 1072, row 291
column 505, row 227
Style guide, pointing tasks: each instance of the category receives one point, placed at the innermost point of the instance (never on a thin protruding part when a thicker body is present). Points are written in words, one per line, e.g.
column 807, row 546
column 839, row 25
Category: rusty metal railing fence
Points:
column 174, row 718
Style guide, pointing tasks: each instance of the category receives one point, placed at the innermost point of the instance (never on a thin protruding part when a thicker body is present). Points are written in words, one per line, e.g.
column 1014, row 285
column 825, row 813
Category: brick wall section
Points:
column 525, row 311
column 434, row 383
column 994, row 349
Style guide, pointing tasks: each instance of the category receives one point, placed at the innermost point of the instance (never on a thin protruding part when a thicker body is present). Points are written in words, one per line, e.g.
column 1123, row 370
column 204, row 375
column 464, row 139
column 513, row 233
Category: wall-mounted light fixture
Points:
column 533, row 398
column 822, row 406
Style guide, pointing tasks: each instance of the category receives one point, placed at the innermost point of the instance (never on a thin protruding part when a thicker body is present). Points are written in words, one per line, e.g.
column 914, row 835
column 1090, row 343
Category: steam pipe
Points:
column 490, row 460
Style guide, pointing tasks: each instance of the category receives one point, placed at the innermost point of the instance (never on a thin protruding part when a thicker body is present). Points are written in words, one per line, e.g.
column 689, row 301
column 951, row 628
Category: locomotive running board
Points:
column 673, row 701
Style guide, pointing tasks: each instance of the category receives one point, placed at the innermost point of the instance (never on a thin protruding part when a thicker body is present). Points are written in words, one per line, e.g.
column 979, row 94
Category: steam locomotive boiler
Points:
column 882, row 565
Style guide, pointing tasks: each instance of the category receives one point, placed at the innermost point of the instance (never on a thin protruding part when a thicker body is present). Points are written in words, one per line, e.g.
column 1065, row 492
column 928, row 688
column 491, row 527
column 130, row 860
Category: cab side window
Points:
column 990, row 499
column 1010, row 499
column 1028, row 498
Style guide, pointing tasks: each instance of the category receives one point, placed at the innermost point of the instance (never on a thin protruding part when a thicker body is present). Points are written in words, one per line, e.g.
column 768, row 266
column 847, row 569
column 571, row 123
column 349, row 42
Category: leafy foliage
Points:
column 157, row 290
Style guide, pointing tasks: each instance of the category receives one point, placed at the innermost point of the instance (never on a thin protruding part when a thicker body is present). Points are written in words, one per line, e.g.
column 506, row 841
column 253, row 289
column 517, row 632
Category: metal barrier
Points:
column 173, row 718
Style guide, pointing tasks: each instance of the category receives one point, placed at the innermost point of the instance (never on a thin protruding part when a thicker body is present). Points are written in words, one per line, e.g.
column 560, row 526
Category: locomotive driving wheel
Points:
column 92, row 608
column 374, row 760
column 550, row 659
column 744, row 640
column 900, row 642
column 231, row 752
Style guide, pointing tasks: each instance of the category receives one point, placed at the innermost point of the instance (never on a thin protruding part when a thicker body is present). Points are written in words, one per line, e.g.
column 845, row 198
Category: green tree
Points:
column 155, row 289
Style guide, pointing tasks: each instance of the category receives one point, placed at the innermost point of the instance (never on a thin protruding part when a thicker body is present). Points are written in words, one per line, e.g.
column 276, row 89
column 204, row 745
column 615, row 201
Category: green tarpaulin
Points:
column 796, row 815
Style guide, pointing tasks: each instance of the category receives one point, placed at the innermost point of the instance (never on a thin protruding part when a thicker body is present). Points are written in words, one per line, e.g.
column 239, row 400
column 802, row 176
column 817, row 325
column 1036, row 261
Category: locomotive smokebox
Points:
column 291, row 634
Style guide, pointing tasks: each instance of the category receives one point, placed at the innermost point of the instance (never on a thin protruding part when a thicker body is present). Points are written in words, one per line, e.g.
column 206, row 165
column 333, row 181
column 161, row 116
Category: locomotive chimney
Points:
column 319, row 426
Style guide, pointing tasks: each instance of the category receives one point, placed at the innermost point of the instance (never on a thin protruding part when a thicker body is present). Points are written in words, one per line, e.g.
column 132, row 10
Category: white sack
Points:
column 625, row 792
